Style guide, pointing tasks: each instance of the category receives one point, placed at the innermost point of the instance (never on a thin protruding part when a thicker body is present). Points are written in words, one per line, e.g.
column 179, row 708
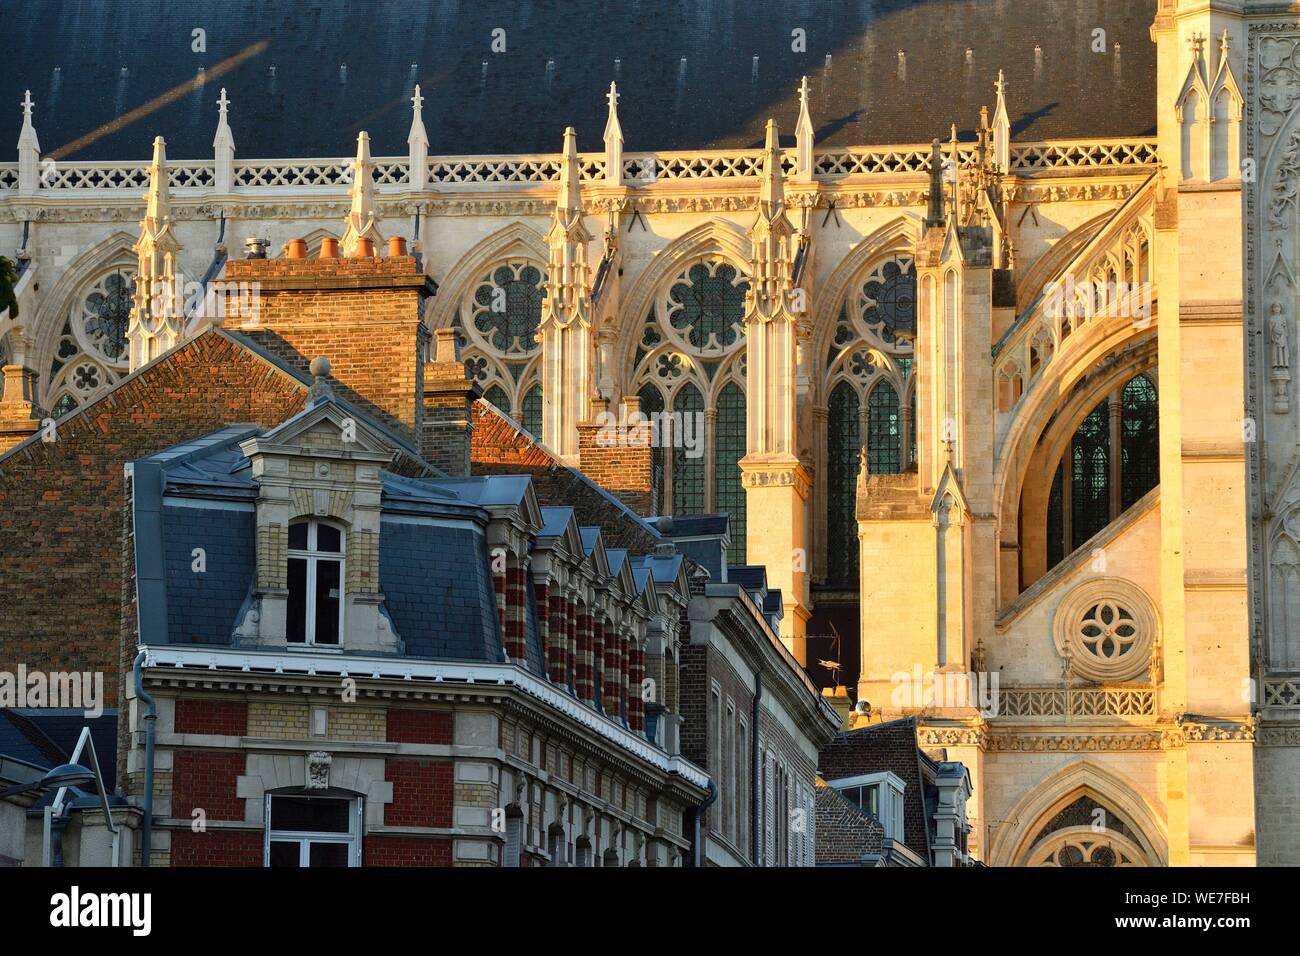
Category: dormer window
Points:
column 877, row 794
column 315, row 612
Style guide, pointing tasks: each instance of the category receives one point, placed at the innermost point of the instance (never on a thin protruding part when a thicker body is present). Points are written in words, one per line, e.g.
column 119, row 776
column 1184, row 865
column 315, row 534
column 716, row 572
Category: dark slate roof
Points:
column 555, row 519
column 845, row 835
column 438, row 592
column 204, row 608
column 877, row 748
column 685, row 68
column 694, row 526
column 63, row 727
column 22, row 739
column 663, row 568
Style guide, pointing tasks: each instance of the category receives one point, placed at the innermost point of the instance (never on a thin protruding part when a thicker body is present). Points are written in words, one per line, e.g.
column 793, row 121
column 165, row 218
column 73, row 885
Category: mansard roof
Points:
column 303, row 79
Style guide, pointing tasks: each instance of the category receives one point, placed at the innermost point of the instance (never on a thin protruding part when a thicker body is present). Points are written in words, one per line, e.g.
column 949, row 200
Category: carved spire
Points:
column 363, row 217
column 568, row 350
column 223, row 145
column 417, row 143
column 570, row 197
column 771, row 194
column 1001, row 128
column 803, row 171
column 613, row 141
column 157, row 312
column 934, row 206
column 29, row 150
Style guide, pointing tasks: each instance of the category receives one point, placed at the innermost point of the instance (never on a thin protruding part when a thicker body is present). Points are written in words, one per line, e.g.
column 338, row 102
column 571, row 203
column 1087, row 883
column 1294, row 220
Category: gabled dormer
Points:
column 318, row 500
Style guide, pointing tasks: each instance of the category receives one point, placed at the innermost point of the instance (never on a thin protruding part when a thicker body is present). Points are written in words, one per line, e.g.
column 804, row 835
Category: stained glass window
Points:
column 688, row 464
column 533, row 411
column 652, row 403
column 884, row 431
column 889, row 299
column 1139, row 440
column 843, row 444
column 728, row 494
column 497, row 396
column 1090, row 476
column 1056, row 521
column 508, row 307
column 911, row 430
column 707, row 304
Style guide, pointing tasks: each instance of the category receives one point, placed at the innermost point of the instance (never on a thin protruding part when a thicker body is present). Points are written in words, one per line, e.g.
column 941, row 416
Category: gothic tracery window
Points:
column 497, row 331
column 871, row 355
column 1112, row 460
column 690, row 365
column 844, row 440
column 90, row 353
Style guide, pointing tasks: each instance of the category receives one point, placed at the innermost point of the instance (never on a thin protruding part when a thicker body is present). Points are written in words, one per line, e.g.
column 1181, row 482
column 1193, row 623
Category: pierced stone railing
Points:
column 1110, row 278
column 1077, row 702
column 450, row 172
column 1282, row 692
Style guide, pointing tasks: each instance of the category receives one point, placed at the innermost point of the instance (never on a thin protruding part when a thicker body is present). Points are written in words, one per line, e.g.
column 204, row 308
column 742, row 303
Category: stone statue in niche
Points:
column 1278, row 337
column 1279, row 340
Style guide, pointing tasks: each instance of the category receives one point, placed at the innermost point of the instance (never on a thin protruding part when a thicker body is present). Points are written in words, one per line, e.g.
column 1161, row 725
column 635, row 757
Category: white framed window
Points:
column 878, row 794
column 316, row 576
column 312, row 831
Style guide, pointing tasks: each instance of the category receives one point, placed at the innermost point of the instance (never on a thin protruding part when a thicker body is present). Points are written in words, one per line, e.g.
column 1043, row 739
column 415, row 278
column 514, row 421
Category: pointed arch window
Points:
column 90, row 353
column 1112, row 460
column 498, row 397
column 729, row 448
column 689, row 364
column 843, row 445
column 884, row 431
column 532, row 417
column 652, row 404
column 688, row 466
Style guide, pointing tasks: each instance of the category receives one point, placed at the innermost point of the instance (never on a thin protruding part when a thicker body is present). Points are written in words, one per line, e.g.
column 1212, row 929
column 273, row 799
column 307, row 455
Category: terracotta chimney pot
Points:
column 396, row 246
column 329, row 248
column 297, row 249
column 365, row 248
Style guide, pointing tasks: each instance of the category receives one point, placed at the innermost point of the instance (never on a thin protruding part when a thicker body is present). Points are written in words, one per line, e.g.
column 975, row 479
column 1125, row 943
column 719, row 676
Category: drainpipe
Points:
column 756, row 776
column 151, row 719
column 698, row 847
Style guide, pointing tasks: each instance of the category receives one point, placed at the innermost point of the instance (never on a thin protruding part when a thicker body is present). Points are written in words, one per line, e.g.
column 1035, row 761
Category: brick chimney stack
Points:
column 362, row 312
column 615, row 450
column 449, row 396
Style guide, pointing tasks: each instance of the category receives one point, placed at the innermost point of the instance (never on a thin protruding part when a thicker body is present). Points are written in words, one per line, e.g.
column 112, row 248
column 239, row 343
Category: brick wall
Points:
column 405, row 851
column 61, row 527
column 362, row 314
column 206, row 780
column 228, row 718
column 423, row 793
column 217, row 848
column 623, row 466
column 419, row 726
column 498, row 447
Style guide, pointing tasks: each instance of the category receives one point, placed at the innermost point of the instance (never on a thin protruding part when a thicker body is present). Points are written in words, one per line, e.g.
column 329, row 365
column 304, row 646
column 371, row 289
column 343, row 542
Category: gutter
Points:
column 756, row 768
column 151, row 719
column 700, row 837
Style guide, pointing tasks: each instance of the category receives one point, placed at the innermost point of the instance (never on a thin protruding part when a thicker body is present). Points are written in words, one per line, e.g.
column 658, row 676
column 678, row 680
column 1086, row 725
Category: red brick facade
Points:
column 206, row 780
column 423, row 795
column 419, row 726
column 405, row 851
column 227, row 718
column 217, row 848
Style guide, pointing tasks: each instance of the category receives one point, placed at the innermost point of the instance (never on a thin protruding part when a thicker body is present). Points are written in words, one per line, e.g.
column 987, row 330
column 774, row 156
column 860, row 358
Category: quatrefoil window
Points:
column 1106, row 630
